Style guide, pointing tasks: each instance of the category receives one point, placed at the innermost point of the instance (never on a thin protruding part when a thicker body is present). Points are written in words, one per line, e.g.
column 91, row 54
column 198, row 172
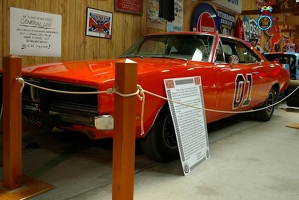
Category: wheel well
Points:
column 276, row 88
column 161, row 109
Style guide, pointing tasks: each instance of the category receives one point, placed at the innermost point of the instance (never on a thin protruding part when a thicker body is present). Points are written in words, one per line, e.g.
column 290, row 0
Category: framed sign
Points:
column 132, row 6
column 34, row 33
column 98, row 23
column 205, row 19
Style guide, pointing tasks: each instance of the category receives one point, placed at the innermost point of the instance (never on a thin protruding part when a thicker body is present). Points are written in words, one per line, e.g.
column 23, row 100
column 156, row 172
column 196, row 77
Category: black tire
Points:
column 293, row 100
column 160, row 143
column 266, row 113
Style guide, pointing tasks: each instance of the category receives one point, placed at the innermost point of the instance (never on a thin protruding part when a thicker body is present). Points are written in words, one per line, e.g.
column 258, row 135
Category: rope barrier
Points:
column 141, row 96
column 222, row 111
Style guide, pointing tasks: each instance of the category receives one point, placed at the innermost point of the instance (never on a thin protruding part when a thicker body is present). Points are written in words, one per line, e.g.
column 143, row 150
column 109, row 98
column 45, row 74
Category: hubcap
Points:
column 169, row 134
column 270, row 101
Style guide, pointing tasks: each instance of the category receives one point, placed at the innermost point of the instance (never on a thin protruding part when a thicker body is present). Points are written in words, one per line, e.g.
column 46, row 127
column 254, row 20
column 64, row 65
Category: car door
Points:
column 237, row 84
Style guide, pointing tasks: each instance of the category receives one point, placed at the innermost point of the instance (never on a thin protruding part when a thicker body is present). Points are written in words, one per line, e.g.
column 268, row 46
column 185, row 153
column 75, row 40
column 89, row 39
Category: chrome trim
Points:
column 33, row 94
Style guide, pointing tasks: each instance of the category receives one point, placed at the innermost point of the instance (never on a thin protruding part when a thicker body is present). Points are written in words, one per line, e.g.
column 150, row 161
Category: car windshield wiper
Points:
column 132, row 56
column 169, row 57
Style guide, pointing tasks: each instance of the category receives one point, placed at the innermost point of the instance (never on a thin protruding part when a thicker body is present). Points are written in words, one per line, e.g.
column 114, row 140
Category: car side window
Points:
column 219, row 53
column 245, row 54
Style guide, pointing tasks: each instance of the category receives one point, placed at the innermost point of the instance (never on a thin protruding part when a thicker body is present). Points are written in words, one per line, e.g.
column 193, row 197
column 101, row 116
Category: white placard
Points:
column 189, row 121
column 34, row 33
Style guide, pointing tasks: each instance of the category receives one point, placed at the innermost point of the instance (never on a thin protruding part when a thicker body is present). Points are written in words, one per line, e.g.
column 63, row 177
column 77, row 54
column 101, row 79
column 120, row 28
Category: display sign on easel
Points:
column 186, row 106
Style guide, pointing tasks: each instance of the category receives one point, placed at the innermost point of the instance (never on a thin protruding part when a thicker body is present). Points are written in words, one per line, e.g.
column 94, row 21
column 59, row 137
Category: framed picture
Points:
column 98, row 23
column 132, row 6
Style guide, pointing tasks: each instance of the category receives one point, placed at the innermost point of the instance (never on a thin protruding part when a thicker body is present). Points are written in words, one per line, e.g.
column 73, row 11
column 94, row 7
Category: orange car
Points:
column 235, row 77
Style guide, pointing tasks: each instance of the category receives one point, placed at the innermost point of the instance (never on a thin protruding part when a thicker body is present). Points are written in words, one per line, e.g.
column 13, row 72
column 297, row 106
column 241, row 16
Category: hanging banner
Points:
column 34, row 33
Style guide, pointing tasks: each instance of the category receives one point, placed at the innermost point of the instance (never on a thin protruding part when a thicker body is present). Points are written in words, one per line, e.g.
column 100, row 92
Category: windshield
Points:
column 190, row 47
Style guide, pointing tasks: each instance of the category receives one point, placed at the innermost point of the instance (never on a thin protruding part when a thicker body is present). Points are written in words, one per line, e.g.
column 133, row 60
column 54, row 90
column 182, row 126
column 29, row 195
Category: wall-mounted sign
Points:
column 34, row 33
column 131, row 6
column 227, row 22
column 232, row 5
column 264, row 22
column 98, row 23
column 205, row 19
column 251, row 29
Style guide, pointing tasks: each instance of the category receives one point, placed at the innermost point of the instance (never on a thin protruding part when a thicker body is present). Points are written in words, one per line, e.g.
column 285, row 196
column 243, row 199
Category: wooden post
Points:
column 124, row 131
column 12, row 123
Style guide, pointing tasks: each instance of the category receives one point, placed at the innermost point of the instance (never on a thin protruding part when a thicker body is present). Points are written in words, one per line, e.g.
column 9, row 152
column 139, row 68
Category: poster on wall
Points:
column 153, row 20
column 34, row 33
column 98, row 23
column 129, row 6
column 251, row 29
column 227, row 22
column 189, row 122
column 177, row 24
column 231, row 5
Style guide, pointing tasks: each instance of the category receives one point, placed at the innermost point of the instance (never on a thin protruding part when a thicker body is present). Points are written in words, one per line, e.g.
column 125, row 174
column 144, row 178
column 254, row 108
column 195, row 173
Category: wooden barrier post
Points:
column 12, row 123
column 124, row 131
column 10, row 187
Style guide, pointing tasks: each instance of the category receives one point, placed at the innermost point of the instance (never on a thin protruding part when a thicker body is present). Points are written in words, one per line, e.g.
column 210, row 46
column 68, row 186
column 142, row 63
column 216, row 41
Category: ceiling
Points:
column 282, row 7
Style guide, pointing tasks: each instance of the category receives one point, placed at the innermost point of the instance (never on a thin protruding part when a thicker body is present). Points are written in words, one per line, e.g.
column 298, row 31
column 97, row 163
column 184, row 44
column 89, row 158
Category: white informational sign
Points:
column 189, row 120
column 34, row 33
column 232, row 5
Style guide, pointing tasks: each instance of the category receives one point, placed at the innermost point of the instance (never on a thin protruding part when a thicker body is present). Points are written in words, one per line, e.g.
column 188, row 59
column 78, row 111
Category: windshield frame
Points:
column 191, row 47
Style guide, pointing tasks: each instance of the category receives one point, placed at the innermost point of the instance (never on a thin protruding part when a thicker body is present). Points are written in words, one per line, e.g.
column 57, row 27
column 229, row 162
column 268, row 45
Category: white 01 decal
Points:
column 240, row 97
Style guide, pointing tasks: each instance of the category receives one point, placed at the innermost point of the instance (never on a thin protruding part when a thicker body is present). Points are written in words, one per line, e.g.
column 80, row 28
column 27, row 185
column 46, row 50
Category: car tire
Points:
column 293, row 100
column 160, row 143
column 266, row 113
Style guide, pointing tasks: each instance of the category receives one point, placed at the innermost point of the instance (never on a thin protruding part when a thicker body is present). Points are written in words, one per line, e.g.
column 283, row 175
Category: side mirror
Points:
column 234, row 59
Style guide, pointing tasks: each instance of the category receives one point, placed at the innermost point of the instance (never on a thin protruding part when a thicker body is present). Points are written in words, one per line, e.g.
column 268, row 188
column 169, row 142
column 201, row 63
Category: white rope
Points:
column 221, row 111
column 141, row 95
column 23, row 82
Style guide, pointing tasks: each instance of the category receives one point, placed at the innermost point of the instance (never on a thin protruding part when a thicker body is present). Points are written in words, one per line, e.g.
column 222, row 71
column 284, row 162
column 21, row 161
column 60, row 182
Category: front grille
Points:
column 85, row 100
column 64, row 108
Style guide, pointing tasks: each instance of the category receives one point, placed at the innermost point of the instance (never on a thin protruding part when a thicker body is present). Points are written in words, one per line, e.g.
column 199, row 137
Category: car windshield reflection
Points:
column 187, row 47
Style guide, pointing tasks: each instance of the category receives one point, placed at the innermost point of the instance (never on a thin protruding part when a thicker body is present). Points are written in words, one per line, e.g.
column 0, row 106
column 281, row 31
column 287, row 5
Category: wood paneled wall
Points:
column 126, row 29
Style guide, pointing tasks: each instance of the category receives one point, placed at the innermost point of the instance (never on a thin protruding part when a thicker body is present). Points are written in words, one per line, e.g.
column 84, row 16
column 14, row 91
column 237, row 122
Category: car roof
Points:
column 197, row 33
column 280, row 53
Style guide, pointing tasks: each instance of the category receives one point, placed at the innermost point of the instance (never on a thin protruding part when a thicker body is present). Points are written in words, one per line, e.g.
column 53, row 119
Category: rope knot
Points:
column 21, row 81
column 112, row 90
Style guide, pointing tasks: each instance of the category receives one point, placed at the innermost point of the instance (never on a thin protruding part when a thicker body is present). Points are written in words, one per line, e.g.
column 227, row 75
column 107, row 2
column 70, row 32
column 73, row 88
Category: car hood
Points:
column 97, row 71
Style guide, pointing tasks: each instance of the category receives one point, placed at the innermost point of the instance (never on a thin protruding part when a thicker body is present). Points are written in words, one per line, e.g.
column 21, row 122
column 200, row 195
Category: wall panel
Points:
column 127, row 28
